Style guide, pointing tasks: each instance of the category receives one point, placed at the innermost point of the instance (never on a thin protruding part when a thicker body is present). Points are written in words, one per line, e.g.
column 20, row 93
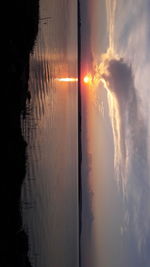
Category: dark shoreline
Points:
column 79, row 129
column 20, row 33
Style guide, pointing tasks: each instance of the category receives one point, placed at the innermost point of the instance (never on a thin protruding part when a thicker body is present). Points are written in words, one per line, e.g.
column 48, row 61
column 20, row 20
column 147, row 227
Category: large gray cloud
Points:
column 134, row 138
column 120, row 79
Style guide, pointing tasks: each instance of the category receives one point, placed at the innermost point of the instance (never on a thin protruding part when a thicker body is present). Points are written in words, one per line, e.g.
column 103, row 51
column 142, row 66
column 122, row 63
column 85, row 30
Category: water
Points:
column 50, row 189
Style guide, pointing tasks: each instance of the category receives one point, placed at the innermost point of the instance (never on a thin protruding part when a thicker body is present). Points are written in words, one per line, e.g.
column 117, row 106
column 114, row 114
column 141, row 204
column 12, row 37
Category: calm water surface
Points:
column 50, row 189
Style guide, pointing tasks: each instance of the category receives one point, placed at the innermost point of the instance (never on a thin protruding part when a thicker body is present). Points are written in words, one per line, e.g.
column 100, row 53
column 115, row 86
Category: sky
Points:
column 116, row 36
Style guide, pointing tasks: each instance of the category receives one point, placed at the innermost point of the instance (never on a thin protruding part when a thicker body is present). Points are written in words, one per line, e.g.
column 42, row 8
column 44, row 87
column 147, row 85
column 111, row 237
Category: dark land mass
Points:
column 18, row 36
column 79, row 131
column 85, row 60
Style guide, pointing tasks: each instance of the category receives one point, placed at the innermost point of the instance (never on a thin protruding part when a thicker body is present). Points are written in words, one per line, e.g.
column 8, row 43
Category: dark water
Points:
column 50, row 189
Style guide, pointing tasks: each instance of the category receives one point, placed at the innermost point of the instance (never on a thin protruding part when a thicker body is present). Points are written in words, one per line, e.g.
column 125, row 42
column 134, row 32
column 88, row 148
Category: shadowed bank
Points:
column 84, row 158
column 19, row 36
column 79, row 130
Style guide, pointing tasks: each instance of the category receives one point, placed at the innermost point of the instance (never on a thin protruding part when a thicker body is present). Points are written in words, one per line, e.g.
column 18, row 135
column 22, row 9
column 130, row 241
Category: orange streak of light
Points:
column 67, row 79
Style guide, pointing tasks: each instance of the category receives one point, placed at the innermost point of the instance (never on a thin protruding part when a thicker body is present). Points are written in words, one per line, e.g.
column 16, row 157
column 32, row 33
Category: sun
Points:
column 87, row 79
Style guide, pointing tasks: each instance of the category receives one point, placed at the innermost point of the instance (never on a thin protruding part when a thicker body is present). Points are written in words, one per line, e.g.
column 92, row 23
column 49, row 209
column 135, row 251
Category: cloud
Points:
column 128, row 98
column 133, row 142
column 132, row 42
column 120, row 81
column 117, row 78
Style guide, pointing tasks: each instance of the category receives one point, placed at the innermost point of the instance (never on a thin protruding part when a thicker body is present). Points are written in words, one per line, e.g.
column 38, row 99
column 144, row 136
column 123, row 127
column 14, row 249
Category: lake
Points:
column 50, row 190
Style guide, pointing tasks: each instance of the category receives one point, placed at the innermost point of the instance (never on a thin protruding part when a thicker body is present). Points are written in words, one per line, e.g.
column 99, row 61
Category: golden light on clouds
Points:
column 102, row 77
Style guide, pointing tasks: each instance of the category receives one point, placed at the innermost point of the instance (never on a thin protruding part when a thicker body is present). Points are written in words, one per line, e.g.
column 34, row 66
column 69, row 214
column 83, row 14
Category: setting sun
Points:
column 87, row 79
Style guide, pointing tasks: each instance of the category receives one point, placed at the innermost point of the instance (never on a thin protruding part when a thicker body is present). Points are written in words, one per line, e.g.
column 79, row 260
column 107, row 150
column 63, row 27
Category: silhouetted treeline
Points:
column 19, row 31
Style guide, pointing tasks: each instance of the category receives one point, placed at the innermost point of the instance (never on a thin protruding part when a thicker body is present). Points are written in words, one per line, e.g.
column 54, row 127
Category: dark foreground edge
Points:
column 79, row 129
column 19, row 31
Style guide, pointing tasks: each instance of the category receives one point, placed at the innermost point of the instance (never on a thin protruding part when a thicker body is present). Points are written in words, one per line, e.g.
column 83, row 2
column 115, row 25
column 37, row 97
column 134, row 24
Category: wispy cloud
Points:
column 133, row 37
column 132, row 139
column 130, row 130
column 123, row 113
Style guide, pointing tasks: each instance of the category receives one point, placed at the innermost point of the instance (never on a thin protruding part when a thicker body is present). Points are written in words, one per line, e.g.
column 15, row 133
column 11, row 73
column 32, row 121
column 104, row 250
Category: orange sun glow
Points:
column 87, row 79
